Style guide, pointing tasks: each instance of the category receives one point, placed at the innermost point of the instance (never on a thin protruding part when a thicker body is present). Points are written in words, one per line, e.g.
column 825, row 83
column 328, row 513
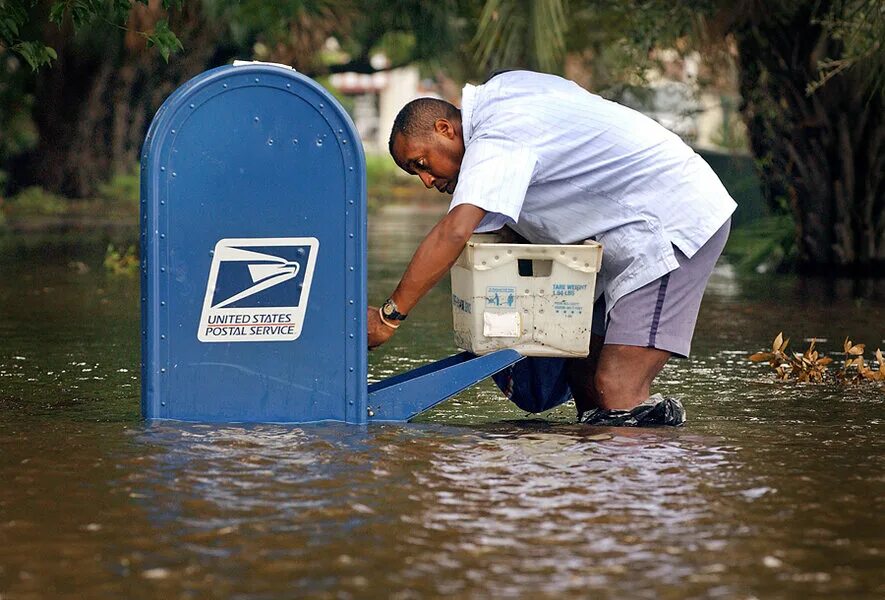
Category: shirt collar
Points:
column 468, row 98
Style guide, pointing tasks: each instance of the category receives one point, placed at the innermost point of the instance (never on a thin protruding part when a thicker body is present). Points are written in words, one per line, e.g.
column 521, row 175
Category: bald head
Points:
column 417, row 118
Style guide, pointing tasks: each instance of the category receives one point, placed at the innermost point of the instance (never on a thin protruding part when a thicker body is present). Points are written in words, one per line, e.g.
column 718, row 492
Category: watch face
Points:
column 387, row 309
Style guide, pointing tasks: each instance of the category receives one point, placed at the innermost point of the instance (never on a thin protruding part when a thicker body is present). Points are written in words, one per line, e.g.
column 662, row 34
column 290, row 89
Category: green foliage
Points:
column 768, row 244
column 121, row 263
column 409, row 30
column 164, row 40
column 536, row 34
column 859, row 27
column 121, row 190
column 35, row 202
column 388, row 183
column 512, row 34
column 288, row 31
column 36, row 54
column 739, row 175
column 732, row 134
column 21, row 24
column 398, row 46
column 13, row 16
column 2, row 210
column 81, row 11
column 380, row 169
column 18, row 131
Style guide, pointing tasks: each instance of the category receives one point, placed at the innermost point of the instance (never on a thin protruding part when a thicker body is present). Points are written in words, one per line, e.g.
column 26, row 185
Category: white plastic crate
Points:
column 545, row 311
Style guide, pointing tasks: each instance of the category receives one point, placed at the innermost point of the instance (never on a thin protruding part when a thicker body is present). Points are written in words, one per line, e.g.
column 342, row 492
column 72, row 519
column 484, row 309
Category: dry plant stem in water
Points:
column 811, row 366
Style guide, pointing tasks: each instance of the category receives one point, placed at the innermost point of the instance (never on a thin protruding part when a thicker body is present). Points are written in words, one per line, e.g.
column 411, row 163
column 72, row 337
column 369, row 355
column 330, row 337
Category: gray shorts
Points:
column 663, row 313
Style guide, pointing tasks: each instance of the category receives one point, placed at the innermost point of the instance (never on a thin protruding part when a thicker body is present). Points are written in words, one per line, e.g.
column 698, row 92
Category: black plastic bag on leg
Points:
column 654, row 412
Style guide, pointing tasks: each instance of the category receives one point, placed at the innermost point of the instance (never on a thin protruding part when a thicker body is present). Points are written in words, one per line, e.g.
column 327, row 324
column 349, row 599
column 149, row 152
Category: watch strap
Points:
column 391, row 312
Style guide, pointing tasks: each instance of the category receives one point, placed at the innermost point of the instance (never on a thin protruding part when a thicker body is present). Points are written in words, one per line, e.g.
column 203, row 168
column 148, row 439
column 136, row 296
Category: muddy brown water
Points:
column 770, row 491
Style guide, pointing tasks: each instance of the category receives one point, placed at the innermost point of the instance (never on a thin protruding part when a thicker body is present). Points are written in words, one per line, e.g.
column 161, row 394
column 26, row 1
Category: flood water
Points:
column 771, row 490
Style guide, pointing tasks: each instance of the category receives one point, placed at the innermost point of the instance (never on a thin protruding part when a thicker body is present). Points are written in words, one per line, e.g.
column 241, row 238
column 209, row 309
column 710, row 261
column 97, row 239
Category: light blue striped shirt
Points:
column 561, row 165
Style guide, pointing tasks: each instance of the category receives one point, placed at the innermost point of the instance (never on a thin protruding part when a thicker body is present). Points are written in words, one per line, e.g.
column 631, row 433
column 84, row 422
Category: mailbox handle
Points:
column 404, row 396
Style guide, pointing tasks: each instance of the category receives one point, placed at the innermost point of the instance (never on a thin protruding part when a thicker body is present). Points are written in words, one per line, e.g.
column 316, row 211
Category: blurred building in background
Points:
column 376, row 100
column 679, row 95
column 699, row 106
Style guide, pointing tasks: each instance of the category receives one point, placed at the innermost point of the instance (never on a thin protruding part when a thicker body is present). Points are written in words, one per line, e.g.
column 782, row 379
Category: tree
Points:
column 811, row 75
column 38, row 114
column 18, row 17
column 92, row 104
column 103, row 69
column 813, row 106
column 522, row 33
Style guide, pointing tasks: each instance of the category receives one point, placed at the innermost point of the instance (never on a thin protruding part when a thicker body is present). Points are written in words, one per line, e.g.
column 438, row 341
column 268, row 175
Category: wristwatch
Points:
column 390, row 312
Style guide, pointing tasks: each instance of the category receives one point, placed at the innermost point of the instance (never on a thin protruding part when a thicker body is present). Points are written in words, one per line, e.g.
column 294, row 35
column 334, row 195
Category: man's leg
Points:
column 614, row 376
column 624, row 374
column 644, row 328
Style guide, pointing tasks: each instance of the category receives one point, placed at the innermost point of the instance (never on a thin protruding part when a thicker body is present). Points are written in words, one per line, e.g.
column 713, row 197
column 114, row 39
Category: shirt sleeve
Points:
column 495, row 174
column 491, row 222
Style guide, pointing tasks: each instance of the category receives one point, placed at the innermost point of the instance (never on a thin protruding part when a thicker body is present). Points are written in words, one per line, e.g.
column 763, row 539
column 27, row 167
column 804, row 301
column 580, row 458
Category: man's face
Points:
column 434, row 157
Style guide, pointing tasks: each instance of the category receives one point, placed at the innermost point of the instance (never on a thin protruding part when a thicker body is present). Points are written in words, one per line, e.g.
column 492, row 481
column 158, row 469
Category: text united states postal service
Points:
column 258, row 289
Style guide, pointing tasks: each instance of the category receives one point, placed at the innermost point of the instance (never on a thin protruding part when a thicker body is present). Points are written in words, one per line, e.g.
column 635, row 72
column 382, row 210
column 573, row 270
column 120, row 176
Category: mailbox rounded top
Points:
column 229, row 78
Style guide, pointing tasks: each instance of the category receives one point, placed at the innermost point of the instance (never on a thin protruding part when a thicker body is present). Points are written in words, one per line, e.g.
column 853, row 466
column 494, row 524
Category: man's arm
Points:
column 434, row 257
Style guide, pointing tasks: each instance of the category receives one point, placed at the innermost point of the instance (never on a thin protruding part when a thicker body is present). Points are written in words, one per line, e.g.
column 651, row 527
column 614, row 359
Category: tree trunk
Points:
column 821, row 154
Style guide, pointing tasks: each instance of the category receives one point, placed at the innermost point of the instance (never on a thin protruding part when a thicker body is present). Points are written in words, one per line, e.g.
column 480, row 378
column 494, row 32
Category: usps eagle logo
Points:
column 258, row 289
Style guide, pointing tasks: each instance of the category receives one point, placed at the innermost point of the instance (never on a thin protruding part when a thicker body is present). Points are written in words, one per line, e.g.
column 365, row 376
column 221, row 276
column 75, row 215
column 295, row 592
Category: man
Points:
column 559, row 165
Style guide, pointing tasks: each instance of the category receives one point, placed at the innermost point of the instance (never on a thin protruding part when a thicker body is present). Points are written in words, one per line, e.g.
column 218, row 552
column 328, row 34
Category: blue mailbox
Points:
column 253, row 237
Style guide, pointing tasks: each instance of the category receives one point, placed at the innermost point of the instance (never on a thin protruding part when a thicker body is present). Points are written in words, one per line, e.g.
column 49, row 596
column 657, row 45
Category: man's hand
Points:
column 378, row 331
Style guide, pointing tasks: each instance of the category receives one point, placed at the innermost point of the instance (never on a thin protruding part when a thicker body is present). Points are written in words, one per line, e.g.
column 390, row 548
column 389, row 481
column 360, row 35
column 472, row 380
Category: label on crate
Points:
column 500, row 296
column 568, row 308
column 568, row 289
column 461, row 304
column 501, row 324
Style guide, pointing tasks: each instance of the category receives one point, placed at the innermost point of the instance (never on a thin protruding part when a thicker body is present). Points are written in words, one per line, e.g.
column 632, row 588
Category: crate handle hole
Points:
column 534, row 268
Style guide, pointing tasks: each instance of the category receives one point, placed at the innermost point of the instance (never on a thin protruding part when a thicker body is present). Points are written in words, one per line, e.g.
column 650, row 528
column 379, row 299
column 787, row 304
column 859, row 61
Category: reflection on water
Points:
column 771, row 490
column 507, row 509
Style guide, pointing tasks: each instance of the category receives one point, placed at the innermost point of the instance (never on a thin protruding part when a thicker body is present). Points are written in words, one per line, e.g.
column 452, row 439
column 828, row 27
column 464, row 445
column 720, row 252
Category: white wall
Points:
column 402, row 86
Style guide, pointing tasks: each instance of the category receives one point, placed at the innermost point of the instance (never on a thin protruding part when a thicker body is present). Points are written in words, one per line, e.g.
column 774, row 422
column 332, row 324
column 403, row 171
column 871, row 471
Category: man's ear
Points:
column 444, row 127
